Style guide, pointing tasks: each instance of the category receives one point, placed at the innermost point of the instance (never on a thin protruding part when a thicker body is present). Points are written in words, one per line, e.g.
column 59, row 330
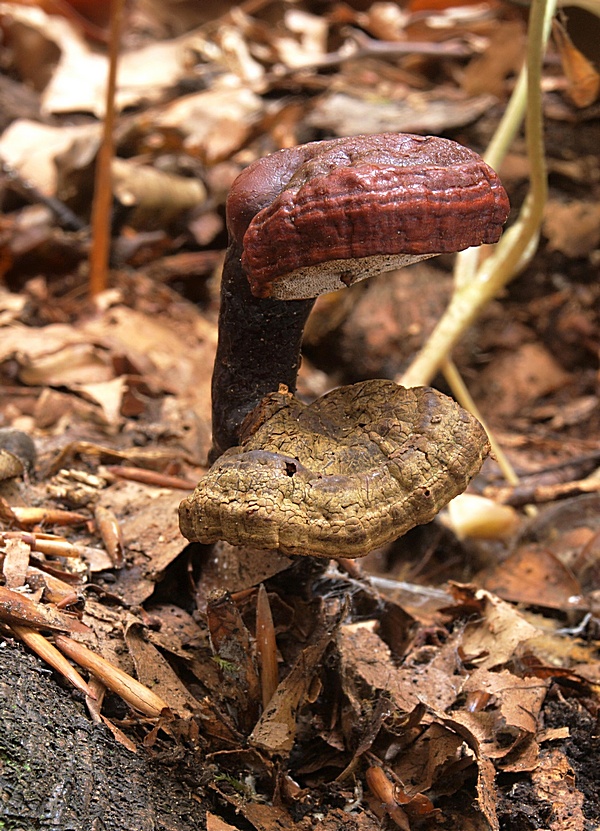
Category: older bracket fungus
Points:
column 339, row 477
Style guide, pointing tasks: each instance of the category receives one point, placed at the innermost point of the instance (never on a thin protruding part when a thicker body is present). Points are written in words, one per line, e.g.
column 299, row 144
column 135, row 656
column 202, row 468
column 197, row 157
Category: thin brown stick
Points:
column 383, row 789
column 112, row 537
column 101, row 207
column 266, row 646
column 50, row 654
column 526, row 494
column 27, row 516
column 131, row 691
column 151, row 477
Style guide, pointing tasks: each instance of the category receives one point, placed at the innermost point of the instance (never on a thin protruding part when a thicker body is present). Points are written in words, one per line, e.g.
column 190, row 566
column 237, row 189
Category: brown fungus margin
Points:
column 341, row 476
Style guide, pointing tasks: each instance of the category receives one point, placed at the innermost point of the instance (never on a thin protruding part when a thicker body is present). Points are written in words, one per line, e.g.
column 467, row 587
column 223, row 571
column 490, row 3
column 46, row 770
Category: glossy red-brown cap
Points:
column 339, row 211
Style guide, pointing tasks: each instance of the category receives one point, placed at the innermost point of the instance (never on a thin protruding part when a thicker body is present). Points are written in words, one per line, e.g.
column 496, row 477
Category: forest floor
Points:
column 448, row 680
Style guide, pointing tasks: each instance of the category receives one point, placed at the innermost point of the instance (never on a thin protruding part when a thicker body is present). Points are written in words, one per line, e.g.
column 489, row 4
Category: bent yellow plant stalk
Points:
column 473, row 287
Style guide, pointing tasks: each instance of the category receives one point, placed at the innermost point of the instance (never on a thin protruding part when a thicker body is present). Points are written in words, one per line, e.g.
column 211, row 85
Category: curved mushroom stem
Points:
column 323, row 216
column 259, row 339
column 258, row 349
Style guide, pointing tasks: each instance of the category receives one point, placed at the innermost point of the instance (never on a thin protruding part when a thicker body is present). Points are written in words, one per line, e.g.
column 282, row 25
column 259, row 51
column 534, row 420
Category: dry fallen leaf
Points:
column 155, row 672
column 493, row 639
column 503, row 57
column 344, row 114
column 31, row 148
column 15, row 563
column 572, row 227
column 582, row 76
column 516, row 379
column 534, row 575
column 507, row 720
column 77, row 83
column 215, row 123
column 556, row 784
column 275, row 731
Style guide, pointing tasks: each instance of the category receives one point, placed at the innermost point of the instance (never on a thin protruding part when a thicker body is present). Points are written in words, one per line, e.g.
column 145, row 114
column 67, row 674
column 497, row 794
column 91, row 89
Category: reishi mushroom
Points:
column 309, row 220
column 322, row 216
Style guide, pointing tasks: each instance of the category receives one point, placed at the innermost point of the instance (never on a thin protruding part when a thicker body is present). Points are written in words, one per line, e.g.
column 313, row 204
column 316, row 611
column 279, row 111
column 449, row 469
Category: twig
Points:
column 266, row 646
column 358, row 45
column 101, row 208
column 464, row 398
column 112, row 537
column 50, row 654
column 151, row 477
column 135, row 694
column 526, row 494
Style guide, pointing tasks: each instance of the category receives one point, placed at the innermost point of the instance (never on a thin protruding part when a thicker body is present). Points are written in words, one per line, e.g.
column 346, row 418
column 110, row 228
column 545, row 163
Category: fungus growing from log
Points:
column 305, row 221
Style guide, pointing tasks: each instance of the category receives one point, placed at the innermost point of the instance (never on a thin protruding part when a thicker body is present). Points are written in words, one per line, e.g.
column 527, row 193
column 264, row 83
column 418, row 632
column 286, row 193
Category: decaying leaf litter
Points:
column 458, row 686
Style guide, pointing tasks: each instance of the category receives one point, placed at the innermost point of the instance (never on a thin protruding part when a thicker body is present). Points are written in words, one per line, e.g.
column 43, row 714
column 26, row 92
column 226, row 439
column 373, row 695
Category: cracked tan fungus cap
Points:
column 340, row 477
